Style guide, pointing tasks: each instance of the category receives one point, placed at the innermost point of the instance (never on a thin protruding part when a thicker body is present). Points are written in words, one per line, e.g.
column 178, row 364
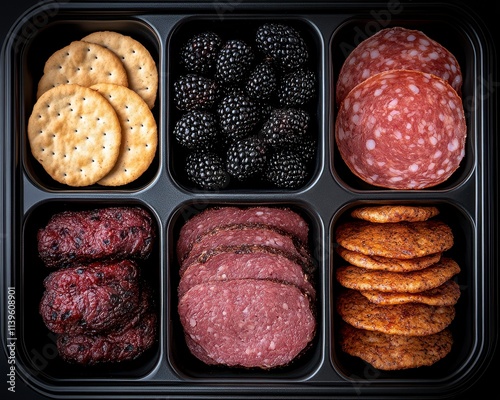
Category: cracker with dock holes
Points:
column 75, row 134
column 84, row 64
column 139, row 64
column 139, row 134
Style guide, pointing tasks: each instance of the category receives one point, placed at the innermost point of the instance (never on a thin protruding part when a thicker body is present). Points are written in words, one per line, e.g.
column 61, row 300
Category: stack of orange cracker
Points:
column 92, row 122
column 399, row 295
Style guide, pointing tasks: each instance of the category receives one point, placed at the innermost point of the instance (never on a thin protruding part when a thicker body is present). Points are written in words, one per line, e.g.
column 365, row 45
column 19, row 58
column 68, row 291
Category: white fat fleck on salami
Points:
column 397, row 48
column 433, row 55
column 370, row 144
column 393, row 103
column 416, row 142
column 414, row 88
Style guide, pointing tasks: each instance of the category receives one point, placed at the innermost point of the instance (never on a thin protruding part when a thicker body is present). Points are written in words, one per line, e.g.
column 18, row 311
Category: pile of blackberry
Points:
column 245, row 109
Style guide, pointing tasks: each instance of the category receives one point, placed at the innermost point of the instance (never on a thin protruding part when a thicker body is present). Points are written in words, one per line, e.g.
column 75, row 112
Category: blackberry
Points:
column 195, row 92
column 261, row 83
column 297, row 88
column 206, row 170
column 285, row 127
column 246, row 158
column 283, row 44
column 306, row 148
column 233, row 62
column 286, row 169
column 199, row 52
column 197, row 130
column 238, row 115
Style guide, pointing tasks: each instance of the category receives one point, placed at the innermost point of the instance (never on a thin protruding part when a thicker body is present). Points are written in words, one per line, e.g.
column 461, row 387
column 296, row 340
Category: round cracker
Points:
column 397, row 213
column 84, row 64
column 410, row 319
column 140, row 65
column 445, row 295
column 395, row 352
column 75, row 134
column 386, row 263
column 405, row 282
column 139, row 134
column 402, row 240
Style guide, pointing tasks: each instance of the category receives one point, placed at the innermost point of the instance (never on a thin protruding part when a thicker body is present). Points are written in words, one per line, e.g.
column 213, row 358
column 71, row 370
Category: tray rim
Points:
column 223, row 197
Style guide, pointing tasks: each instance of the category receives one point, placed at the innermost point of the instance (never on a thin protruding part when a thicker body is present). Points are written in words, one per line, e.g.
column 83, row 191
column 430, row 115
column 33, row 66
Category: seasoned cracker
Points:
column 446, row 294
column 84, row 64
column 75, row 134
column 397, row 213
column 406, row 282
column 139, row 134
column 140, row 65
column 410, row 319
column 395, row 352
column 402, row 240
column 386, row 263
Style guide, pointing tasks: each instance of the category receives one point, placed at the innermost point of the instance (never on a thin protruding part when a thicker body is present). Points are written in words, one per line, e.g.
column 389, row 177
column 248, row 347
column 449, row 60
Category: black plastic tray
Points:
column 29, row 196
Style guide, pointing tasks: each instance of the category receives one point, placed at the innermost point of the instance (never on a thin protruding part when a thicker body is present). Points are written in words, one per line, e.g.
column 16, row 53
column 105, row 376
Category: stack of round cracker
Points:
column 399, row 296
column 92, row 121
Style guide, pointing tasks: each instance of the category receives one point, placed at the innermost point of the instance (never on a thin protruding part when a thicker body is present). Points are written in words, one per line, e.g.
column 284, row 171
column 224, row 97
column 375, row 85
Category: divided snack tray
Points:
column 331, row 30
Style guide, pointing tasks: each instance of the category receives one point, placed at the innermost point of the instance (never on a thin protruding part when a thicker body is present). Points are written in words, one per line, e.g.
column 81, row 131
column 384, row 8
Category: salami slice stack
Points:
column 246, row 297
column 400, row 122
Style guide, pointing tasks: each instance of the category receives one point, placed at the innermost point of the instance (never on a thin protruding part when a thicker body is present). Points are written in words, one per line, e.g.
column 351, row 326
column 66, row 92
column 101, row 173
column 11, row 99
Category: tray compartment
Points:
column 58, row 33
column 462, row 327
column 448, row 33
column 189, row 367
column 242, row 28
column 39, row 351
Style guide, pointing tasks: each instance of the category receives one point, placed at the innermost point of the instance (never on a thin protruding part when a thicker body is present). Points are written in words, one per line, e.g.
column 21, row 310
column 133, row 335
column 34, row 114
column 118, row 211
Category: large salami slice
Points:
column 402, row 129
column 397, row 48
column 248, row 323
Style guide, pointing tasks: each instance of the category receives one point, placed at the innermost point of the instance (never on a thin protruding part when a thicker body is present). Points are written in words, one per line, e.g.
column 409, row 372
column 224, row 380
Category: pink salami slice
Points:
column 397, row 48
column 402, row 129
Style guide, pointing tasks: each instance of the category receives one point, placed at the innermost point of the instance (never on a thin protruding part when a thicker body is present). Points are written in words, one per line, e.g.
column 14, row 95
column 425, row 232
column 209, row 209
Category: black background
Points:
column 487, row 383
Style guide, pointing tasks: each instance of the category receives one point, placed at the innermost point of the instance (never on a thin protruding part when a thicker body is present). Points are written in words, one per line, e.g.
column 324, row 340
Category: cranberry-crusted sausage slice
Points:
column 83, row 236
column 248, row 323
column 217, row 217
column 402, row 130
column 122, row 345
column 96, row 297
column 397, row 48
